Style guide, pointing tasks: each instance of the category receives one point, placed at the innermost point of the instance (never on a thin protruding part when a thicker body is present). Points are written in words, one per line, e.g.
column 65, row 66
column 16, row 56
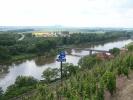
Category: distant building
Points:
column 44, row 34
column 51, row 34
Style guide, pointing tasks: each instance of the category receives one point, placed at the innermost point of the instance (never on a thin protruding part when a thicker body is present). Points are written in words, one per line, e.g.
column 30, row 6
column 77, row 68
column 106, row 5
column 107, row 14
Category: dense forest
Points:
column 88, row 81
column 12, row 49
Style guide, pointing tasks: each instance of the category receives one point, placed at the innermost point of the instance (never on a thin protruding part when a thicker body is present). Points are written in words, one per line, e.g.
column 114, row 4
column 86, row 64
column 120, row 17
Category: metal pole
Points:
column 61, row 72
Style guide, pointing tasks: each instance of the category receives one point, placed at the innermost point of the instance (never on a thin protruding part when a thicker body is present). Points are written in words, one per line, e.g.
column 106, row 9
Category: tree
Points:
column 114, row 51
column 50, row 74
column 130, row 47
column 4, row 53
column 89, row 61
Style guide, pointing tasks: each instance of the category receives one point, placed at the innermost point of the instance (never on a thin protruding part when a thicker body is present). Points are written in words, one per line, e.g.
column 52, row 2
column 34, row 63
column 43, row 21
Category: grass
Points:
column 23, row 56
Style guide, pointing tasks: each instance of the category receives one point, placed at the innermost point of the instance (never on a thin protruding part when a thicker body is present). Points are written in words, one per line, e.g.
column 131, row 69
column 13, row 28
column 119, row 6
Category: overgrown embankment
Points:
column 96, row 80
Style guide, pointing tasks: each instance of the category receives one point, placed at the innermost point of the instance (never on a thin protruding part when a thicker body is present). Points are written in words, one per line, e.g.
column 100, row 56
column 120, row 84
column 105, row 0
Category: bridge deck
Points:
column 86, row 49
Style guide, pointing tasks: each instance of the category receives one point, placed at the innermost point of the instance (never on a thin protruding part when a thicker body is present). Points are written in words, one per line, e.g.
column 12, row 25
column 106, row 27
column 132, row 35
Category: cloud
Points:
column 88, row 13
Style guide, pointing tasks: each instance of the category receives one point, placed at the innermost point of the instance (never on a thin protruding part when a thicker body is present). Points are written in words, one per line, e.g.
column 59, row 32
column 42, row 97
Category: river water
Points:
column 35, row 67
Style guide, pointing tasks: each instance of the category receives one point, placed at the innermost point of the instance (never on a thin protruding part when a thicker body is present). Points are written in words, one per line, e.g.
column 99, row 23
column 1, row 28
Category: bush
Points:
column 25, row 81
column 22, row 85
column 89, row 61
column 130, row 47
column 4, row 53
column 50, row 74
column 69, row 69
column 109, row 80
column 115, row 51
column 100, row 91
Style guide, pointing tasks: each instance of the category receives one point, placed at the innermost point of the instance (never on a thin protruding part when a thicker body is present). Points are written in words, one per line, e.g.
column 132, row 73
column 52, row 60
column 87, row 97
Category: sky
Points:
column 71, row 13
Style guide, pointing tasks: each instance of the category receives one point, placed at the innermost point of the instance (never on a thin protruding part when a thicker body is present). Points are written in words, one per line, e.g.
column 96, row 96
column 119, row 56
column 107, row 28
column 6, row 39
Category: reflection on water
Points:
column 3, row 70
column 34, row 67
column 44, row 60
column 68, row 51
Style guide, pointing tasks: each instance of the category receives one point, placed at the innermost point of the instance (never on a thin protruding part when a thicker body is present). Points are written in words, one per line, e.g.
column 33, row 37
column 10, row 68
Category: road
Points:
column 22, row 37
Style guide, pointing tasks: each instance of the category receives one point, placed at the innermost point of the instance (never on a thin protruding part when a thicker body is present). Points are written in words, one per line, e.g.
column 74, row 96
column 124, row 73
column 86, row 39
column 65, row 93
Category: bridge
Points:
column 87, row 49
column 91, row 50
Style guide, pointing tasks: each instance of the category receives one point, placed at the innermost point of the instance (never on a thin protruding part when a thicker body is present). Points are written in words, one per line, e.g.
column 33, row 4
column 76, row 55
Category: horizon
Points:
column 61, row 26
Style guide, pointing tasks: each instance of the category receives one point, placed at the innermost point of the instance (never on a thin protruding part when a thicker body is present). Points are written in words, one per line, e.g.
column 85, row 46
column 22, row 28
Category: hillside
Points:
column 96, row 79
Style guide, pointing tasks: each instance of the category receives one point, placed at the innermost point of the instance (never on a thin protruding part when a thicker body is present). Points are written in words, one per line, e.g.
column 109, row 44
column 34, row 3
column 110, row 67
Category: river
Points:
column 35, row 67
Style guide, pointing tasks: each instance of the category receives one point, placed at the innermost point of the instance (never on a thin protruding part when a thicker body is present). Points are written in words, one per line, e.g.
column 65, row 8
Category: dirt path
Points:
column 124, row 88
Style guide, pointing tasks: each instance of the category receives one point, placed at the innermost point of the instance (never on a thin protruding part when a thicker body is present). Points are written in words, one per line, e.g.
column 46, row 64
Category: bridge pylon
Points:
column 90, row 52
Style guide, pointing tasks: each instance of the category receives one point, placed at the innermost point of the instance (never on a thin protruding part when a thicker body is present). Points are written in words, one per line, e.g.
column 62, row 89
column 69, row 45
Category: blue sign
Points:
column 61, row 57
column 62, row 54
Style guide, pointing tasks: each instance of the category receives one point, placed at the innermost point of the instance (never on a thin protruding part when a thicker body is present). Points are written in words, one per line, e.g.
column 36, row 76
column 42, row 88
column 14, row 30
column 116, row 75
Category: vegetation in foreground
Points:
column 89, row 82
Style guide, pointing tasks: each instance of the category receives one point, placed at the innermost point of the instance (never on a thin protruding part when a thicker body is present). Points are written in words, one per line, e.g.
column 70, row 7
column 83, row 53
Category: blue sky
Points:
column 75, row 13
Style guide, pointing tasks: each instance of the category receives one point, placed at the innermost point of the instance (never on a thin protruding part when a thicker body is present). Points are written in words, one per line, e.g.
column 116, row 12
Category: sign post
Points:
column 61, row 58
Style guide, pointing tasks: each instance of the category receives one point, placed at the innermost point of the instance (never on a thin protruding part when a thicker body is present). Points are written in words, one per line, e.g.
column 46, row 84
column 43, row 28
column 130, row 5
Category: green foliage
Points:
column 125, row 64
column 100, row 91
column 85, row 83
column 45, row 45
column 129, row 61
column 81, row 84
column 69, row 69
column 77, row 38
column 22, row 85
column 25, row 81
column 89, row 61
column 90, row 84
column 119, row 70
column 4, row 54
column 13, row 91
column 10, row 47
column 1, row 93
column 44, row 93
column 50, row 74
column 8, row 38
column 40, row 45
column 126, row 71
column 130, row 46
column 115, row 51
column 110, row 81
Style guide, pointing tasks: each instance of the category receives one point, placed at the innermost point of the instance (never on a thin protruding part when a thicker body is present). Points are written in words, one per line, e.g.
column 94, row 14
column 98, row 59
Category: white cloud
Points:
column 91, row 13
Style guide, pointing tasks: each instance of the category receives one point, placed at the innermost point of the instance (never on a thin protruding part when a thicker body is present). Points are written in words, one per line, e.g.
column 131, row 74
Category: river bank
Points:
column 36, row 65
column 107, row 72
column 29, row 56
column 55, row 51
column 13, row 50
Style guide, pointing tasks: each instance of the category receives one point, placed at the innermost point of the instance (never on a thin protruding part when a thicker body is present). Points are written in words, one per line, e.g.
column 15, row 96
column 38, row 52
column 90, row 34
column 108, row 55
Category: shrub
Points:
column 25, row 81
column 50, row 74
column 115, row 51
column 110, row 81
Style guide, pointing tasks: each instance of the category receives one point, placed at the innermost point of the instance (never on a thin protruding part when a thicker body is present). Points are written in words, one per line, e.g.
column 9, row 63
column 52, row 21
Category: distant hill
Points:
column 60, row 28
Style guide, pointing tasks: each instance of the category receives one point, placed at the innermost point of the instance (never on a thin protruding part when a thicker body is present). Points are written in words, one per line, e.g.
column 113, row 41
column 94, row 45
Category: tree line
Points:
column 11, row 48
